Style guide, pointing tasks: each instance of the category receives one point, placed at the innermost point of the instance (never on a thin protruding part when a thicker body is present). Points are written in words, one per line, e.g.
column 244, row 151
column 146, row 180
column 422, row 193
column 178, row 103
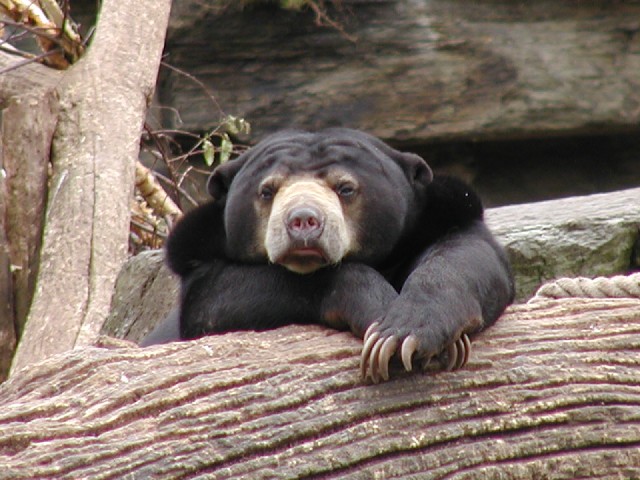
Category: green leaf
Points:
column 226, row 147
column 235, row 125
column 208, row 151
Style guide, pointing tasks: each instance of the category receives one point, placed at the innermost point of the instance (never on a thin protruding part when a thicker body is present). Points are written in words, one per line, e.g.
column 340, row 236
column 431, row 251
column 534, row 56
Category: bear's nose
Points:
column 305, row 223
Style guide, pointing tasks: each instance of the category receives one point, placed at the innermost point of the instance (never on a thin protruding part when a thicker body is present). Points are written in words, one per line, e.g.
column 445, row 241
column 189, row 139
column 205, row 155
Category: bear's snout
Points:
column 306, row 227
column 304, row 223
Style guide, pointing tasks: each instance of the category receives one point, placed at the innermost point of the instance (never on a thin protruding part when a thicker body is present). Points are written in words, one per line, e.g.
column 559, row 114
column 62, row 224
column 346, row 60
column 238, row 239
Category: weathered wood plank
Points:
column 550, row 390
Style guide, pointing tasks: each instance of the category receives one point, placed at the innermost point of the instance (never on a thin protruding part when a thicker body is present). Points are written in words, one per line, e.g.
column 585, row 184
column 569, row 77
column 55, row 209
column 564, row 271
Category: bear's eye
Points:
column 345, row 189
column 266, row 192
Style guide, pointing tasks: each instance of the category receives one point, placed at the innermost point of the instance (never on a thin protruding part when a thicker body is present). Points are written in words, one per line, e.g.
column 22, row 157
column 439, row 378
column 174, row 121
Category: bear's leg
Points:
column 356, row 296
column 221, row 296
column 460, row 285
column 224, row 297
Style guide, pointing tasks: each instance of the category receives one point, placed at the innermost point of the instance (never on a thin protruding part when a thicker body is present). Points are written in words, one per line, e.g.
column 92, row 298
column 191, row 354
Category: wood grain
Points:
column 550, row 392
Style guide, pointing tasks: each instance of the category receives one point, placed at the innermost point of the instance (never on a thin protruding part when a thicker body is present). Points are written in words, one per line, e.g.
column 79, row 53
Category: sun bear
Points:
column 338, row 228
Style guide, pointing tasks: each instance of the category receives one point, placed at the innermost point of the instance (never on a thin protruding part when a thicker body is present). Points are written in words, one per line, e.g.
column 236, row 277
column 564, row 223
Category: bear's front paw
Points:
column 381, row 344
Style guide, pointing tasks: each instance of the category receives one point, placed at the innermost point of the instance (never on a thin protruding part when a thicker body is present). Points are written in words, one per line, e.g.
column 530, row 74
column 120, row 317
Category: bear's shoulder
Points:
column 450, row 203
column 197, row 238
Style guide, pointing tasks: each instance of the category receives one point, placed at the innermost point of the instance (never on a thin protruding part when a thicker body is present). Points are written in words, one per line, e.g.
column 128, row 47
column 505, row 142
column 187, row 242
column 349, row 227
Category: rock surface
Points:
column 588, row 236
column 146, row 291
column 413, row 71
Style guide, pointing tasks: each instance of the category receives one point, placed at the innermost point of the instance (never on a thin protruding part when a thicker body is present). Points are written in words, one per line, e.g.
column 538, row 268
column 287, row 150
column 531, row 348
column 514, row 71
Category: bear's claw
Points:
column 458, row 353
column 386, row 352
column 378, row 350
column 369, row 340
column 409, row 347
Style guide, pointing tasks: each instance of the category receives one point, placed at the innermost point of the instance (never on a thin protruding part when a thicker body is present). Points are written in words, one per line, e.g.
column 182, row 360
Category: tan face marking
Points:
column 334, row 238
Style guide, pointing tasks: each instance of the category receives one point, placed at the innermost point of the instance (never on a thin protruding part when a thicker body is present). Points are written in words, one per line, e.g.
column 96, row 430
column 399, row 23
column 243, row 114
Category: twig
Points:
column 181, row 191
column 52, row 27
column 322, row 19
column 27, row 61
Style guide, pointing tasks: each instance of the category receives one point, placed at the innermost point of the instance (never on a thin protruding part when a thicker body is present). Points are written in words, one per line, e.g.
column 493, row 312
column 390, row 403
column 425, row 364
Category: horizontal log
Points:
column 550, row 391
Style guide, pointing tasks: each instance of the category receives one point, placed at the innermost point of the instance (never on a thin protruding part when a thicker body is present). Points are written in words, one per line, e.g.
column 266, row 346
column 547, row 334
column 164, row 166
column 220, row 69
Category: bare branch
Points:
column 53, row 29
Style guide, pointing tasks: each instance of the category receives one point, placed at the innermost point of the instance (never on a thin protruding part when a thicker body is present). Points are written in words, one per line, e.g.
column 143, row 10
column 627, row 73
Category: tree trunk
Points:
column 550, row 392
column 28, row 124
column 28, row 120
column 102, row 101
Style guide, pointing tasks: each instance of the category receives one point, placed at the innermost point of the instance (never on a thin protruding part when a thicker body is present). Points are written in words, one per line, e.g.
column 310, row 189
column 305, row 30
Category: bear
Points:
column 338, row 228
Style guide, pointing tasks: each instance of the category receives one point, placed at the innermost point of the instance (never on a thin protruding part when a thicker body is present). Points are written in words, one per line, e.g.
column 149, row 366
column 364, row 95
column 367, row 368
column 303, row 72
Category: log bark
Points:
column 416, row 72
column 550, row 392
column 101, row 108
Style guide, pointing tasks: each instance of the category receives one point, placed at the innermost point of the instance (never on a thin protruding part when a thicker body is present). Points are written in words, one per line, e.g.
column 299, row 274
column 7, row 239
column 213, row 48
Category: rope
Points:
column 621, row 286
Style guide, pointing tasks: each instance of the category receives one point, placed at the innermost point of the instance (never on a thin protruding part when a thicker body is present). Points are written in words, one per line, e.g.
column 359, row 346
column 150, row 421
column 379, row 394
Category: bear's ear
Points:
column 416, row 168
column 221, row 178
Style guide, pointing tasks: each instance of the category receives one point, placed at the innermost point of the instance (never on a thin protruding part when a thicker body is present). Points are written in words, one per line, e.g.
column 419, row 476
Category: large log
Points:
column 550, row 392
column 417, row 71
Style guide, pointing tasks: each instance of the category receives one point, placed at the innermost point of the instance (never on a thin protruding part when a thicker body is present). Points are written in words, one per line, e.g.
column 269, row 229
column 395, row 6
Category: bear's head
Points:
column 308, row 200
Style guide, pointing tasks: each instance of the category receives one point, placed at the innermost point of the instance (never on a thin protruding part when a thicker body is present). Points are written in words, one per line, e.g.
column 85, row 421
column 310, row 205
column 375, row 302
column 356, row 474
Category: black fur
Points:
column 428, row 266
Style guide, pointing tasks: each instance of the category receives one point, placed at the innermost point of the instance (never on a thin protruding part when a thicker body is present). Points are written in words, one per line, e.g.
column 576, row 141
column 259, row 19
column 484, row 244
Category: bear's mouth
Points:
column 303, row 259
